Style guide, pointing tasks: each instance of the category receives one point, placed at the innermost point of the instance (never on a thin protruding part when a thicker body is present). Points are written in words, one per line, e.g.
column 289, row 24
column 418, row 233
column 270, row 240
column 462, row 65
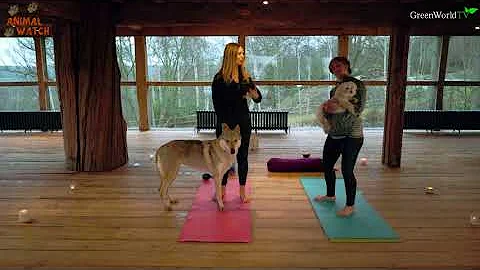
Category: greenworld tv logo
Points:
column 450, row 15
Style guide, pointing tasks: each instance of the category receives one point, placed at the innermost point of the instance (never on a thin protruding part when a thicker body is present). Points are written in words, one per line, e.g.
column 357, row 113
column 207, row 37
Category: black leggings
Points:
column 348, row 148
column 242, row 155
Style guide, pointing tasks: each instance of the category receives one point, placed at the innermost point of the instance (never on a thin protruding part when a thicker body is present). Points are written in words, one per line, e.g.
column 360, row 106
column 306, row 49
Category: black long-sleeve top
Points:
column 230, row 105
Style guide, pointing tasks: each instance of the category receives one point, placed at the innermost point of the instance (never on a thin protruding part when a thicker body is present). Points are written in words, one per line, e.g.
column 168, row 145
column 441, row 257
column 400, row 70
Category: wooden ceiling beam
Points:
column 248, row 17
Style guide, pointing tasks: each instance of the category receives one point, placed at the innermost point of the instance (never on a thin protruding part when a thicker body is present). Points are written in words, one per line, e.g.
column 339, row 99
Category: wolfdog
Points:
column 215, row 156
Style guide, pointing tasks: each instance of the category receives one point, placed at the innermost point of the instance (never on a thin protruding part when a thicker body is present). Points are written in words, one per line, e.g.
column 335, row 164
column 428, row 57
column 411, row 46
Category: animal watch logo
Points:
column 23, row 20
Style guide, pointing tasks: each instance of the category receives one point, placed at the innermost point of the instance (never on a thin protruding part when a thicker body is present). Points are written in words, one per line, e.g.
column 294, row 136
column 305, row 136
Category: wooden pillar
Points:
column 41, row 62
column 343, row 45
column 88, row 79
column 395, row 100
column 241, row 40
column 141, row 78
column 441, row 72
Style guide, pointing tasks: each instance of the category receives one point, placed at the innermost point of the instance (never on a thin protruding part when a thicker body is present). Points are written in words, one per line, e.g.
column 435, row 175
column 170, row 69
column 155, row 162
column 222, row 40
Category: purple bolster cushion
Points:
column 295, row 165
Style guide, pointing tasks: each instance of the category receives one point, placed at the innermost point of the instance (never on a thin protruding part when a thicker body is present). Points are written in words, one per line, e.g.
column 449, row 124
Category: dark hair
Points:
column 342, row 60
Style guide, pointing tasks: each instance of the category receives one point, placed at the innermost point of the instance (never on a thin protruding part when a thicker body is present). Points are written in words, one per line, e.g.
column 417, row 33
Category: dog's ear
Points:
column 237, row 128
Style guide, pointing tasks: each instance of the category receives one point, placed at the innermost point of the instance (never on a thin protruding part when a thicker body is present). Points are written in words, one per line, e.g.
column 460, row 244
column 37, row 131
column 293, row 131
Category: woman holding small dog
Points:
column 231, row 88
column 345, row 137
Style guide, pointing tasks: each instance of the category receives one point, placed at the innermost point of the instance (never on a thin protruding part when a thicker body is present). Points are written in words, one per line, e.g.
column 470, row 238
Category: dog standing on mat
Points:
column 215, row 156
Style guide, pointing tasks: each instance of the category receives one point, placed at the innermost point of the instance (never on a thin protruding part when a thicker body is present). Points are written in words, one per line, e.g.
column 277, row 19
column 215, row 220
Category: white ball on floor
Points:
column 363, row 161
column 24, row 216
column 474, row 219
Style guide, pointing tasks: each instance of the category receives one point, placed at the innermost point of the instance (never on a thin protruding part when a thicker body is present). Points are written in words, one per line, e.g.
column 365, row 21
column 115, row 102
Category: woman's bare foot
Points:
column 346, row 211
column 324, row 198
column 243, row 196
column 214, row 198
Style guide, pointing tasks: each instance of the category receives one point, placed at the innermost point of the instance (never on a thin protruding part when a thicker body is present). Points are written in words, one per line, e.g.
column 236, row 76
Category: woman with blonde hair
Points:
column 231, row 88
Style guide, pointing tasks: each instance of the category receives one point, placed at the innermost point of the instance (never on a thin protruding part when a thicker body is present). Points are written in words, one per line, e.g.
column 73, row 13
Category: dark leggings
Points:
column 348, row 148
column 242, row 155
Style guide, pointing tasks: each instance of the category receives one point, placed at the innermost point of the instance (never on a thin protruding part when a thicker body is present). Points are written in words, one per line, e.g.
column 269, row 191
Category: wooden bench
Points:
column 261, row 120
column 437, row 120
column 30, row 120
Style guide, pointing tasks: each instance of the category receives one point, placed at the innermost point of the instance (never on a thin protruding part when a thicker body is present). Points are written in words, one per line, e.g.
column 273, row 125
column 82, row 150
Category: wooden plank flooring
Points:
column 114, row 219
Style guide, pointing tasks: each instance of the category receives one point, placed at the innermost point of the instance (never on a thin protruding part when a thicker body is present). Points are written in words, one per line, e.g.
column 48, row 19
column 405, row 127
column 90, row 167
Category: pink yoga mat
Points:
column 205, row 223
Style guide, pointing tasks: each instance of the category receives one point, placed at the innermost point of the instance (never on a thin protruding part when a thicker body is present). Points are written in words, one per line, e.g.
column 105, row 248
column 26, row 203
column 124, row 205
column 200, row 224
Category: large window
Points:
column 461, row 98
column 463, row 66
column 292, row 58
column 423, row 67
column 175, row 106
column 289, row 61
column 301, row 101
column 463, row 62
column 420, row 97
column 130, row 105
column 17, row 65
column 369, row 56
column 178, row 59
column 423, row 58
column 374, row 112
column 126, row 63
column 18, row 75
column 17, row 60
column 126, row 58
column 19, row 98
column 173, row 61
column 53, row 100
column 50, row 55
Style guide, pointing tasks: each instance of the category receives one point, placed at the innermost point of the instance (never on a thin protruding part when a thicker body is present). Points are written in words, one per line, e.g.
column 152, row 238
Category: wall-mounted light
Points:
column 265, row 2
column 477, row 27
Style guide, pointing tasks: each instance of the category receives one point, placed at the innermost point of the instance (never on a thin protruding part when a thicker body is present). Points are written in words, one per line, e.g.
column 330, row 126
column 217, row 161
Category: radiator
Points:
column 261, row 120
column 30, row 120
column 436, row 120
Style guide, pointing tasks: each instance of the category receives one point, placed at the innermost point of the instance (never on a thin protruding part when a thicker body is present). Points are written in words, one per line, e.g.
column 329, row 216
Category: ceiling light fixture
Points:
column 265, row 2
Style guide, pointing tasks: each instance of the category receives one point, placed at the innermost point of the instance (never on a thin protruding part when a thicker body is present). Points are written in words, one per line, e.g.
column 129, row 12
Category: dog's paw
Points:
column 168, row 208
column 221, row 208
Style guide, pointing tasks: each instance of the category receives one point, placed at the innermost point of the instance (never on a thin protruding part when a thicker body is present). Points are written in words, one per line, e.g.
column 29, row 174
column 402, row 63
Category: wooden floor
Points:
column 114, row 219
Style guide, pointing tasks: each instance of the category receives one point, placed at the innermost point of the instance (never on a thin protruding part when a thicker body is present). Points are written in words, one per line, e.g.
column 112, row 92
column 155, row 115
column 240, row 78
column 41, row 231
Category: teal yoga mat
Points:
column 364, row 225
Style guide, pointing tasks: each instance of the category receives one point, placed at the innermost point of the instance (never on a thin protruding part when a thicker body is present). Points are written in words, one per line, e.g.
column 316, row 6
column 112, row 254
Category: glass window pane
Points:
column 461, row 98
column 19, row 98
column 126, row 57
column 185, row 58
column 17, row 60
column 374, row 112
column 290, row 57
column 130, row 105
column 420, row 97
column 300, row 101
column 423, row 58
column 463, row 62
column 50, row 54
column 53, row 99
column 369, row 56
column 176, row 106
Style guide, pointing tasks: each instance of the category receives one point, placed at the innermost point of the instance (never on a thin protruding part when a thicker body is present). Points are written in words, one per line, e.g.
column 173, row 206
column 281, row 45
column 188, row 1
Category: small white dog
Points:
column 339, row 103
